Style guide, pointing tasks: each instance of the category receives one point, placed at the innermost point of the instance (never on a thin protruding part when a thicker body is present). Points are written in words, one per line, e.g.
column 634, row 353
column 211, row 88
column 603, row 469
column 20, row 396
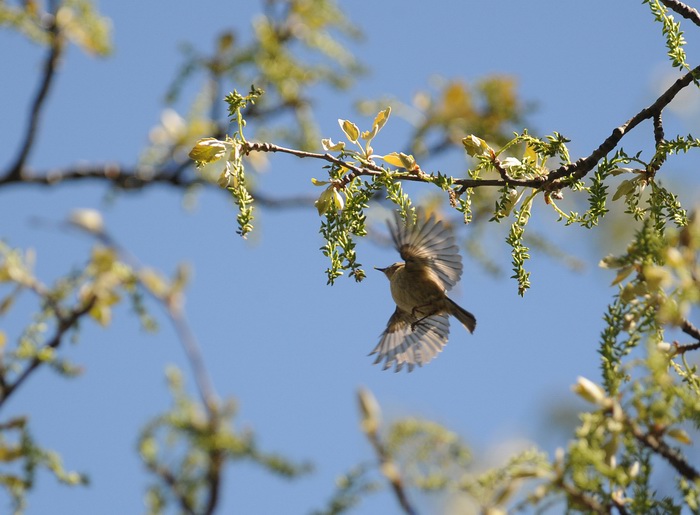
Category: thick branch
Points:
column 139, row 178
column 688, row 328
column 684, row 10
column 672, row 456
column 124, row 178
column 575, row 170
column 581, row 167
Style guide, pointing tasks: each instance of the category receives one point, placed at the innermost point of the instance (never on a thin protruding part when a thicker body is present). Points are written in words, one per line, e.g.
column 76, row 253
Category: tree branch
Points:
column 194, row 355
column 688, row 328
column 672, row 456
column 173, row 304
column 64, row 324
column 584, row 499
column 49, row 72
column 684, row 10
column 132, row 179
column 575, row 171
column 170, row 480
column 139, row 178
column 581, row 167
column 388, row 468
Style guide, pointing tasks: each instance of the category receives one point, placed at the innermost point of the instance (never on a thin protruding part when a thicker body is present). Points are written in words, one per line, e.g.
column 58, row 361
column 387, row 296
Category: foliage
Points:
column 187, row 448
column 644, row 411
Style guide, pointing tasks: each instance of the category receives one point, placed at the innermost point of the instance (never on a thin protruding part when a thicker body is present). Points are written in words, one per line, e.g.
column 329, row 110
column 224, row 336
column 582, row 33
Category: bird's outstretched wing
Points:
column 428, row 242
column 401, row 344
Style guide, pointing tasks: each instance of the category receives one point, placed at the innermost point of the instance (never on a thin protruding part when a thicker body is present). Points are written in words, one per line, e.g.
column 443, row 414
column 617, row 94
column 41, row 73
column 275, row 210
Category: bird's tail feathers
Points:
column 465, row 317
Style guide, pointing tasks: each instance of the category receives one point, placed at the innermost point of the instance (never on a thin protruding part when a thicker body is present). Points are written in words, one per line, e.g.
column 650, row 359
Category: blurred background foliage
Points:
column 642, row 417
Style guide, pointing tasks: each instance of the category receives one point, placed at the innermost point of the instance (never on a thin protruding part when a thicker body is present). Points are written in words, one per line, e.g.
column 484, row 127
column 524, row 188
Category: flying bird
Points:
column 420, row 325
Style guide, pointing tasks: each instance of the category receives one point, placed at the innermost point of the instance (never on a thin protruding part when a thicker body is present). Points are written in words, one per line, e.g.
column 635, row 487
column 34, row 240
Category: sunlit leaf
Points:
column 350, row 130
column 381, row 119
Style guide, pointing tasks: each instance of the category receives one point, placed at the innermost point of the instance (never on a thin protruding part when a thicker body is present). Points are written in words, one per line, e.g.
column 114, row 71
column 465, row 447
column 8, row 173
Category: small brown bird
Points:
column 420, row 325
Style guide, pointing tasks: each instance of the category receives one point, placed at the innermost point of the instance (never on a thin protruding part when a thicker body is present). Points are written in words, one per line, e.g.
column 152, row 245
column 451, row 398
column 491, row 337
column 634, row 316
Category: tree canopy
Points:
column 247, row 141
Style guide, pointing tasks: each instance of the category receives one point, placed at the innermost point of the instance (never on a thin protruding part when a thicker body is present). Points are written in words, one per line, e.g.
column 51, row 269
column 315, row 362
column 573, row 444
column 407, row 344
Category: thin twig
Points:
column 64, row 324
column 583, row 498
column 173, row 304
column 214, row 479
column 621, row 509
column 389, row 470
column 366, row 169
column 194, row 355
column 170, row 480
column 49, row 72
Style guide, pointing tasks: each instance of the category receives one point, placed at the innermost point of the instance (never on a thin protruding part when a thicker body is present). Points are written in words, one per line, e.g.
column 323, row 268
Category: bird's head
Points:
column 390, row 270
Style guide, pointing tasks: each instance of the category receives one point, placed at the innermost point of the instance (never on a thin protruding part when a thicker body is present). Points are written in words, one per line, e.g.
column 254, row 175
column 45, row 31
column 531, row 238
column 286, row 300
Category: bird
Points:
column 419, row 328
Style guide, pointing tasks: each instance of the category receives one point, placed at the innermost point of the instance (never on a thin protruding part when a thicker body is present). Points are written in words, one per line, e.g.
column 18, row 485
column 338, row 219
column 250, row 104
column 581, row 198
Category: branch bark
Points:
column 684, row 10
column 47, row 79
column 64, row 324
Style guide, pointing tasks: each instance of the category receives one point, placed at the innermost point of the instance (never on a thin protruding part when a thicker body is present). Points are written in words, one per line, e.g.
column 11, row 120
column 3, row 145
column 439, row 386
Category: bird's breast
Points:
column 415, row 288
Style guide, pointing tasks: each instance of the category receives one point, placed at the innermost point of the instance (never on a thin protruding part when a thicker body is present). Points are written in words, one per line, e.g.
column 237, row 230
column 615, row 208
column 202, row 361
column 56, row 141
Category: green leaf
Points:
column 400, row 160
column 350, row 130
column 329, row 146
column 381, row 119
column 207, row 150
column 625, row 188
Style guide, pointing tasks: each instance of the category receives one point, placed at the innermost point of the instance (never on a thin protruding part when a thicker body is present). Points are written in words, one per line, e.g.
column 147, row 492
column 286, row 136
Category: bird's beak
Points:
column 380, row 269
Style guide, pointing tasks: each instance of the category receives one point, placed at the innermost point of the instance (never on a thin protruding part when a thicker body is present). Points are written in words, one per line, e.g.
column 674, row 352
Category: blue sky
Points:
column 290, row 349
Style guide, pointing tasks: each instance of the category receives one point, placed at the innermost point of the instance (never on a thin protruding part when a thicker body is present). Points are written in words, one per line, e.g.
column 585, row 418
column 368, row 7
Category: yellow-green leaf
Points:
column 400, row 160
column 324, row 201
column 338, row 200
column 530, row 153
column 329, row 200
column 381, row 119
column 350, row 130
column 102, row 314
column 329, row 146
column 367, row 135
column 625, row 188
column 622, row 274
column 155, row 283
column 10, row 453
column 680, row 436
column 207, row 150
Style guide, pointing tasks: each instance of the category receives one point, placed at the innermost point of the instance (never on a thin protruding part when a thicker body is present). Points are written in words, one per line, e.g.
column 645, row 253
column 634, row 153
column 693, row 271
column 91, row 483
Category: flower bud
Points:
column 475, row 146
column 590, row 391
